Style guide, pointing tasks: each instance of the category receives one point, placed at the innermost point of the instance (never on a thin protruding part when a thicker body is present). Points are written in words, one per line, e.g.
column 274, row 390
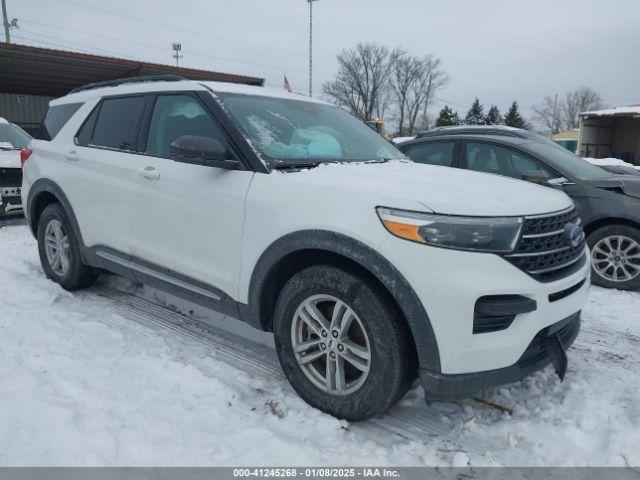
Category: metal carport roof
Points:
column 41, row 71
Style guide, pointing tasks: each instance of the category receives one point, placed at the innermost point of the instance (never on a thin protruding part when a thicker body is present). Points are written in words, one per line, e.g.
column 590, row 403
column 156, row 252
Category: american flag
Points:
column 287, row 86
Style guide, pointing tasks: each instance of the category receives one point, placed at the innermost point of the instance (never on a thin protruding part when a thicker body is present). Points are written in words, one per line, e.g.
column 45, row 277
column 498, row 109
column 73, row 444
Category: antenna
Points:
column 177, row 48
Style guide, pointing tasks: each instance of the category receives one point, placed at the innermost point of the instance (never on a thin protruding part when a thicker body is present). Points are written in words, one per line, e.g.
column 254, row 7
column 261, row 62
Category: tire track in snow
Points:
column 414, row 423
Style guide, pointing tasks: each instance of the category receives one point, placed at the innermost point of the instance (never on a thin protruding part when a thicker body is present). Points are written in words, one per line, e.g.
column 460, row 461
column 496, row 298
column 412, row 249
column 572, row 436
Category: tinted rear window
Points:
column 12, row 137
column 117, row 123
column 55, row 119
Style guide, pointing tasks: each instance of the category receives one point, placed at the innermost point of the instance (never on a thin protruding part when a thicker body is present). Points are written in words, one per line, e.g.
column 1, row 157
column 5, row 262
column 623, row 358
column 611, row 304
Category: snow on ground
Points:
column 82, row 385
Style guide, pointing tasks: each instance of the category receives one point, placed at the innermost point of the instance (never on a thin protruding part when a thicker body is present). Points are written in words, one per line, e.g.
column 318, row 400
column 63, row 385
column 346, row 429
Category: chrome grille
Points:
column 544, row 251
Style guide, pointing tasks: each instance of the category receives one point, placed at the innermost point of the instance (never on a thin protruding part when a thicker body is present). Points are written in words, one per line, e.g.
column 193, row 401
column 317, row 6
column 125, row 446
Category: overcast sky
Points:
column 499, row 50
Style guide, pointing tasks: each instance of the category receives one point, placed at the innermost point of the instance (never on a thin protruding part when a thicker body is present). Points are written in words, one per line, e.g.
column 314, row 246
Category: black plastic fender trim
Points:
column 368, row 259
column 43, row 185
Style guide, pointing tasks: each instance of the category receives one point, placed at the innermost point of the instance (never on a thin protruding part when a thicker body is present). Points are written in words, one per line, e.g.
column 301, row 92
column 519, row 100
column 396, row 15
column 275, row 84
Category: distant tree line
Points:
column 476, row 116
column 376, row 82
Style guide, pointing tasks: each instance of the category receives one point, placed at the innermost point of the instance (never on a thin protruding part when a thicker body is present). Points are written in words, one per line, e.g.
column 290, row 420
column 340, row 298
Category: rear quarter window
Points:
column 55, row 119
column 113, row 124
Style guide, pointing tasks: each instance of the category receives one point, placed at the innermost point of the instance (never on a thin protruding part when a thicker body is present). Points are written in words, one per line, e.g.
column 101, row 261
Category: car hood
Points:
column 627, row 184
column 445, row 190
column 9, row 159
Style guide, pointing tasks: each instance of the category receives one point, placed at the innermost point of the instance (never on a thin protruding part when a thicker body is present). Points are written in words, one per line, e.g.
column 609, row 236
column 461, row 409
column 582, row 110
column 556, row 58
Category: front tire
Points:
column 615, row 257
column 342, row 344
column 60, row 250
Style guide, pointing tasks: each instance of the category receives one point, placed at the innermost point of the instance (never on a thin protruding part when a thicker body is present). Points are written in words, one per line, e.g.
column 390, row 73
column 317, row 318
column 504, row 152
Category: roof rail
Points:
column 120, row 81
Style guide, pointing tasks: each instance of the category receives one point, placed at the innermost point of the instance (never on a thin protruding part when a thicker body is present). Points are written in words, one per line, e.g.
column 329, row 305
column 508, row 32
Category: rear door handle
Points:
column 72, row 156
column 149, row 172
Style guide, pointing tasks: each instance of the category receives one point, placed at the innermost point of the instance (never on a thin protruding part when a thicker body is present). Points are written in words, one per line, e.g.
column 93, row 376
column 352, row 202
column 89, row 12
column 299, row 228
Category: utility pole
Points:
column 310, row 46
column 5, row 22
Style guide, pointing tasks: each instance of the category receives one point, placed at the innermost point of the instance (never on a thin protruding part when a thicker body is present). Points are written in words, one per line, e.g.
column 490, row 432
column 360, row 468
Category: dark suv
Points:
column 609, row 204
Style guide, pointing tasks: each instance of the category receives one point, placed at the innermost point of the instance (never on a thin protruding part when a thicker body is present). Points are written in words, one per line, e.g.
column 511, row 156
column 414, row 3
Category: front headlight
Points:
column 486, row 234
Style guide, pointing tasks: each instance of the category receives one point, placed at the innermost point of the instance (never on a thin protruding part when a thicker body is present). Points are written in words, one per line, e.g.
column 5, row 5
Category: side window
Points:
column 56, row 118
column 178, row 115
column 437, row 153
column 484, row 157
column 523, row 164
column 114, row 124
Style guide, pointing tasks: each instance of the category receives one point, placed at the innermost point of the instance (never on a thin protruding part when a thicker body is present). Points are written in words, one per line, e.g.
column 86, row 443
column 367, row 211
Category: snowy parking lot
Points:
column 117, row 376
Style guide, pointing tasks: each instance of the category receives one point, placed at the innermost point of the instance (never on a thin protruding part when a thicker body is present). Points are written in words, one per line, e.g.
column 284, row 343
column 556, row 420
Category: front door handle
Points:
column 149, row 172
column 72, row 156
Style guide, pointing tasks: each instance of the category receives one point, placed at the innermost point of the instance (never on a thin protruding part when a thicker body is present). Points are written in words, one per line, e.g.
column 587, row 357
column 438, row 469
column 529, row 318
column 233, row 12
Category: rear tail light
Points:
column 25, row 153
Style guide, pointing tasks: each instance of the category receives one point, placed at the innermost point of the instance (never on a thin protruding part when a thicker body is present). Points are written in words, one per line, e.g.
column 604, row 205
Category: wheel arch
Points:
column 296, row 251
column 43, row 193
column 597, row 223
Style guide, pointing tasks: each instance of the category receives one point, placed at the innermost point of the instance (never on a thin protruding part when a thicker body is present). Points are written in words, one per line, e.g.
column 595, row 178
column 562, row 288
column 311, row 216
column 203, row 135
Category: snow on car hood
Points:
column 9, row 159
column 439, row 189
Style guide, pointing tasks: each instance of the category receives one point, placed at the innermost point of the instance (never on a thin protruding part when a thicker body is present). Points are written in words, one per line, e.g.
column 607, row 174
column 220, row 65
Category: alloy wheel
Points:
column 57, row 247
column 616, row 258
column 331, row 345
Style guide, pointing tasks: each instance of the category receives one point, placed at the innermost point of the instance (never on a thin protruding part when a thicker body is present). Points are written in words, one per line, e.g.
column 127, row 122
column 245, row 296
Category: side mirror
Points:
column 198, row 150
column 536, row 176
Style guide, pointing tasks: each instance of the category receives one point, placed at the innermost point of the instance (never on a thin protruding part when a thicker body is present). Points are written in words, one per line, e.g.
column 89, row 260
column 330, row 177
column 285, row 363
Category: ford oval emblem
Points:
column 574, row 234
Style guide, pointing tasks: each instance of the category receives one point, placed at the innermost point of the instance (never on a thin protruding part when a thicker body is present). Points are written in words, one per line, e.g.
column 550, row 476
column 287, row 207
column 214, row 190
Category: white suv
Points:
column 295, row 217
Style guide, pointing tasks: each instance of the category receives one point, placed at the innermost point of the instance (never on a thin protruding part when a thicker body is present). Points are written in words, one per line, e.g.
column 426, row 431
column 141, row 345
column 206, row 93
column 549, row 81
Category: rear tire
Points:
column 60, row 250
column 615, row 257
column 367, row 346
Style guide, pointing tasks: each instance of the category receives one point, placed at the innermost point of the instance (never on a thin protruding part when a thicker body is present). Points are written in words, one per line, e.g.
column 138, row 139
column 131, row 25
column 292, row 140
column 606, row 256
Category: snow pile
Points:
column 83, row 385
column 401, row 139
column 610, row 161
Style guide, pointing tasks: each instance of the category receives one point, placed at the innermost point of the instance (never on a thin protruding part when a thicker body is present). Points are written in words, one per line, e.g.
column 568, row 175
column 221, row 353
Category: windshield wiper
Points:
column 295, row 166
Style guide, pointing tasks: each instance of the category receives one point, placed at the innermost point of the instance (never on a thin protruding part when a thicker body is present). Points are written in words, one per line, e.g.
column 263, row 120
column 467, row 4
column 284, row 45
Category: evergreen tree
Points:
column 513, row 117
column 475, row 115
column 493, row 117
column 447, row 117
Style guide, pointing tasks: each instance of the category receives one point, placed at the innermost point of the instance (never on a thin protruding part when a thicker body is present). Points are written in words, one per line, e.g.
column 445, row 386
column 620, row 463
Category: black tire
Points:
column 77, row 275
column 393, row 363
column 599, row 235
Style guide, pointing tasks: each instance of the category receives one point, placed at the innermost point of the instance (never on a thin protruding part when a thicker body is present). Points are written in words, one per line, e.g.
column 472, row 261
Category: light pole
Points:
column 177, row 47
column 310, row 2
column 5, row 22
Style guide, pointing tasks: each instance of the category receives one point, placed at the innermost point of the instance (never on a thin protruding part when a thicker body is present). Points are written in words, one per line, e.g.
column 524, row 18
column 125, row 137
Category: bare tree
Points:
column 437, row 79
column 548, row 113
column 405, row 73
column 581, row 100
column 362, row 80
column 557, row 115
column 414, row 82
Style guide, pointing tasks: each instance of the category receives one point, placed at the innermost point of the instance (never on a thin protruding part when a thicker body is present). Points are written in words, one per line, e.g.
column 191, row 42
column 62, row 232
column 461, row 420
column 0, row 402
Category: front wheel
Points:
column 342, row 344
column 615, row 257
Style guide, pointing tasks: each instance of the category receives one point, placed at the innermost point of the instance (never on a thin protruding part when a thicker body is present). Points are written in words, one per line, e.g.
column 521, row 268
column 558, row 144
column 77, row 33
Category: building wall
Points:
column 27, row 111
column 626, row 139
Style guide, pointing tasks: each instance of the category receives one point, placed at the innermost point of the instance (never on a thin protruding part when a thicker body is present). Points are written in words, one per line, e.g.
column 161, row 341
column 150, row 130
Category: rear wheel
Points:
column 615, row 257
column 342, row 344
column 60, row 250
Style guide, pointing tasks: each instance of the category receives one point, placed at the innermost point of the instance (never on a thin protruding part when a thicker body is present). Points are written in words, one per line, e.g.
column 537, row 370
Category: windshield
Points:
column 293, row 132
column 565, row 161
column 13, row 137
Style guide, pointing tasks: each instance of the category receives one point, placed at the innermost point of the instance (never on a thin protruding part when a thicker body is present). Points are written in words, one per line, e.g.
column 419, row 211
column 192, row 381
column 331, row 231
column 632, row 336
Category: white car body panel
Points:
column 9, row 159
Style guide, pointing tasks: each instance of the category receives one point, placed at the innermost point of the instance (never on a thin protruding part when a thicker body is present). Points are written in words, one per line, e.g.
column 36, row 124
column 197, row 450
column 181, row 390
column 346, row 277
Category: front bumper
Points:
column 442, row 387
column 449, row 283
